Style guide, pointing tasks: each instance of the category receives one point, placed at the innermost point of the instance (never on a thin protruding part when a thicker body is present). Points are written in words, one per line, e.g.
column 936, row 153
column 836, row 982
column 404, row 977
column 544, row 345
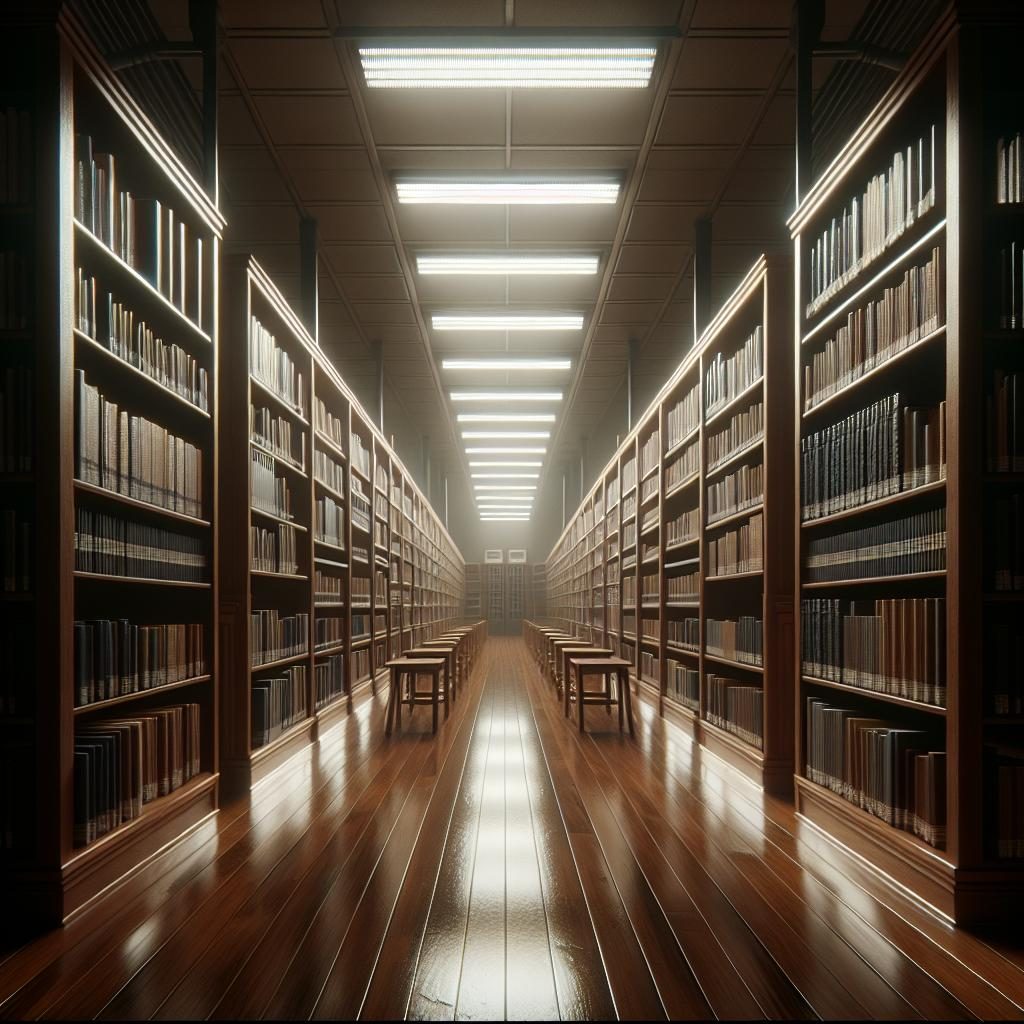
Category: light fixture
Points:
column 506, row 417
column 504, row 519
column 477, row 464
column 506, row 476
column 506, row 451
column 506, row 364
column 507, row 67
column 507, row 322
column 503, row 487
column 505, row 396
column 505, row 435
column 503, row 190
column 505, row 263
column 505, row 504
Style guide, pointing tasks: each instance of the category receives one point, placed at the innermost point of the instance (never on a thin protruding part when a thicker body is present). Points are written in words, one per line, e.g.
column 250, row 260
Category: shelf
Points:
column 329, row 545
column 683, row 604
column 872, row 506
column 677, row 545
column 280, row 460
column 737, row 456
column 733, row 517
column 329, row 604
column 330, row 444
column 329, row 649
column 880, row 368
column 671, row 492
column 676, row 649
column 682, row 442
column 269, row 392
column 742, row 665
column 752, row 574
column 129, row 273
column 114, row 497
column 110, row 702
column 730, row 405
column 267, row 574
column 101, row 351
column 292, row 659
column 273, row 517
column 101, row 577
column 861, row 581
column 330, row 490
column 887, row 698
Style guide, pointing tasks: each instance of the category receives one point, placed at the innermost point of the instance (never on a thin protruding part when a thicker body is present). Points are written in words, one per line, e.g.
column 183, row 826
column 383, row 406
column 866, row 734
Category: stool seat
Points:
column 607, row 668
column 406, row 670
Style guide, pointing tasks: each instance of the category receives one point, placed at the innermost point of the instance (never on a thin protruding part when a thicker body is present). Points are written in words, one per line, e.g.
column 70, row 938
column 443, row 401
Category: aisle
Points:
column 507, row 867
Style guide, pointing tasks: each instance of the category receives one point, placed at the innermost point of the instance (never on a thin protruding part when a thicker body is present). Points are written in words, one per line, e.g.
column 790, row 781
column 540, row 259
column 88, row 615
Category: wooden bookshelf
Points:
column 631, row 569
column 74, row 109
column 388, row 570
column 961, row 84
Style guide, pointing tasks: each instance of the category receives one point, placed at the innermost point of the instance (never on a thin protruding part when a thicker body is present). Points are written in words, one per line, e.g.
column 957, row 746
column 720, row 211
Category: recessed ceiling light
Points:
column 504, row 519
column 507, row 322
column 509, row 502
column 507, row 67
column 506, row 451
column 506, row 476
column 506, row 364
column 506, row 417
column 505, row 396
column 505, row 263
column 505, row 435
column 509, row 465
column 507, row 191
column 504, row 487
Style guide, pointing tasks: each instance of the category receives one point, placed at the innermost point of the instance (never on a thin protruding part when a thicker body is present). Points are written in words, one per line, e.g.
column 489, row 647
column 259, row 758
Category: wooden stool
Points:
column 456, row 651
column 578, row 650
column 449, row 666
column 408, row 669
column 607, row 668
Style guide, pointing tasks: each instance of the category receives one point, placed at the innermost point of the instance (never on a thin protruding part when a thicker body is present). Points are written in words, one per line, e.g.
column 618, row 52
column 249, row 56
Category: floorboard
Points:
column 508, row 867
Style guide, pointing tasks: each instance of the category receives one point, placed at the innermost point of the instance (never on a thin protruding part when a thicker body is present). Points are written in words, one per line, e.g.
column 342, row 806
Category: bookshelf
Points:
column 912, row 338
column 363, row 567
column 109, row 508
column 680, row 558
column 474, row 608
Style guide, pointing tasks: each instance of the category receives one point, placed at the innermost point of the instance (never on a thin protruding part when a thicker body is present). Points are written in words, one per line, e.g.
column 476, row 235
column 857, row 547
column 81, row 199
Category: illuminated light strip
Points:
column 506, row 476
column 509, row 417
column 506, row 364
column 478, row 464
column 506, row 264
column 510, row 435
column 507, row 192
column 506, row 451
column 507, row 322
column 505, row 396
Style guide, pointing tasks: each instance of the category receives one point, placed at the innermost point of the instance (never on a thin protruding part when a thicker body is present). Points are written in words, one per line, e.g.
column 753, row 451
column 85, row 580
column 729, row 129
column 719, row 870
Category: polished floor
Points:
column 508, row 867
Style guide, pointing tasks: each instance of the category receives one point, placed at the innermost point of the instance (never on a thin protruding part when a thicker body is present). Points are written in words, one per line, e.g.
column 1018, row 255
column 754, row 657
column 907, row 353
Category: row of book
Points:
column 16, row 279
column 736, row 492
column 360, row 625
column 328, row 587
column 650, row 453
column 682, row 684
column 113, row 546
column 910, row 544
column 121, row 764
column 360, row 664
column 649, row 488
column 330, row 521
column 16, row 555
column 328, row 679
column 278, row 435
column 649, row 667
column 360, row 455
column 274, row 368
column 273, row 636
column 736, row 707
column 895, row 646
column 361, row 590
column 873, row 453
column 649, row 589
column 269, row 492
column 745, row 430
column 329, row 631
column 116, row 657
column 328, row 472
column 684, row 527
column 740, row 639
column 878, row 330
column 134, row 456
column 1004, row 423
column 885, row 769
column 684, row 467
column 1009, row 178
column 726, row 377
column 274, row 549
column 684, row 633
column 16, row 158
column 682, row 419
column 739, row 550
column 1011, row 285
column 278, row 702
column 629, row 590
column 115, row 326
column 682, row 588
column 334, row 428
column 650, row 628
column 17, row 433
column 1005, row 569
column 869, row 223
column 360, row 506
column 142, row 231
column 628, row 477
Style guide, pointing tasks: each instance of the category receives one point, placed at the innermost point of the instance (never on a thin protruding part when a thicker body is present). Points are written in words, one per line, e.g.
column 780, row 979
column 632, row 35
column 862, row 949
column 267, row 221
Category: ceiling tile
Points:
column 329, row 120
column 384, row 312
column 432, row 117
column 351, row 223
column 319, row 186
column 652, row 259
column 553, row 289
column 593, row 117
column 416, row 13
column 368, row 259
column 750, row 63
column 706, row 119
column 563, row 223
column 661, row 223
column 439, row 289
column 637, row 289
column 357, row 288
column 742, row 14
column 597, row 12
column 629, row 312
column 271, row 13
column 235, row 124
column 696, row 186
column 282, row 63
column 451, row 223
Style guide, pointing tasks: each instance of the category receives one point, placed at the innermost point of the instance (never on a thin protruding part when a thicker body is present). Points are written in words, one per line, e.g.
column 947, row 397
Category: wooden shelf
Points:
column 733, row 403
column 864, row 581
column 101, row 577
column 269, row 393
column 274, row 518
column 744, row 513
column 887, row 698
column 742, row 665
column 126, row 698
column 936, row 487
column 291, row 659
column 737, row 456
column 280, row 460
column 81, row 487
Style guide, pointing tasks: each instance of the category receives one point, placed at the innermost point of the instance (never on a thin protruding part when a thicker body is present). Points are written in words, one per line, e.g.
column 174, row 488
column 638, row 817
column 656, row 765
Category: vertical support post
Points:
column 808, row 19
column 203, row 20
column 631, row 356
column 309, row 294
column 701, row 276
column 380, row 386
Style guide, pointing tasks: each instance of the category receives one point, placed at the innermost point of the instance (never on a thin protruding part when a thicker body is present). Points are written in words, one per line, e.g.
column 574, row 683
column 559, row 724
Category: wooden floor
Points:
column 508, row 867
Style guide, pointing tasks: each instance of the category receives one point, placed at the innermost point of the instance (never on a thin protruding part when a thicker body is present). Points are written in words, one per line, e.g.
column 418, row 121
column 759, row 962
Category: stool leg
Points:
column 447, row 688
column 398, row 701
column 579, row 697
column 391, row 705
column 608, row 693
column 618, row 687
column 435, row 685
column 629, row 701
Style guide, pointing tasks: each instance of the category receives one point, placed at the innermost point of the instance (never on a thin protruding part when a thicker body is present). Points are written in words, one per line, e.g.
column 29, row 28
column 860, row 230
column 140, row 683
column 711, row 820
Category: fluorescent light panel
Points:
column 506, row 451
column 505, row 263
column 506, row 476
column 506, row 365
column 503, row 487
column 508, row 191
column 507, row 67
column 486, row 464
column 506, row 417
column 506, row 435
column 505, row 396
column 507, row 322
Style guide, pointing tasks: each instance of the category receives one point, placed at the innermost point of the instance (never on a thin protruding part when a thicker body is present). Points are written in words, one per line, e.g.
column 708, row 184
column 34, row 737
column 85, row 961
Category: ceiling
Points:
column 712, row 135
